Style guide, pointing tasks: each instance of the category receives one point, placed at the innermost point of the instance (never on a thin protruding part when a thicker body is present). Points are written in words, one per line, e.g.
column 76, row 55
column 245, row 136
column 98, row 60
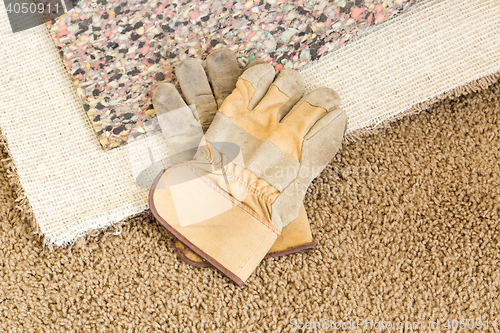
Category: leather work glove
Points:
column 184, row 134
column 250, row 173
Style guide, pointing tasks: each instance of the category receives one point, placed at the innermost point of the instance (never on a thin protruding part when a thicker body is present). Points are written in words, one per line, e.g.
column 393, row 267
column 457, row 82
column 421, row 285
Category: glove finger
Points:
column 178, row 123
column 310, row 109
column 255, row 62
column 223, row 72
column 196, row 90
column 283, row 94
column 322, row 142
column 166, row 98
column 250, row 88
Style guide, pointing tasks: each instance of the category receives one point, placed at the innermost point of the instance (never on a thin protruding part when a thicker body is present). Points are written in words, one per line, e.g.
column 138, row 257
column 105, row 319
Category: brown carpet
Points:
column 407, row 224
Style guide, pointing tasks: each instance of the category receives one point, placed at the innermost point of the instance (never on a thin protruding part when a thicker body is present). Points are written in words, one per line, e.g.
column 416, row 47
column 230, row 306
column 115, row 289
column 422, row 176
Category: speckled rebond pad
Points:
column 117, row 51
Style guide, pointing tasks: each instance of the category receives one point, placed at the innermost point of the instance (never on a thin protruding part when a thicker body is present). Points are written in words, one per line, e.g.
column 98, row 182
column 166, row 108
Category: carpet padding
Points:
column 408, row 229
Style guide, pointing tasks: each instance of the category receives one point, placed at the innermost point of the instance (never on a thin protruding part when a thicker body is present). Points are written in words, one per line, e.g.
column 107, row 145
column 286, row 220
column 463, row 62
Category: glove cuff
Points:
column 231, row 238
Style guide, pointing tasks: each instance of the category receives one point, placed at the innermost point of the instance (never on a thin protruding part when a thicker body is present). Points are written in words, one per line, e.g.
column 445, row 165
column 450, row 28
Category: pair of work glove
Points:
column 183, row 133
column 234, row 195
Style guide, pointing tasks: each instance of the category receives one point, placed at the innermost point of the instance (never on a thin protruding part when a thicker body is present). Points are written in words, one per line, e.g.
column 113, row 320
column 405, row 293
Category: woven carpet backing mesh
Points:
column 398, row 67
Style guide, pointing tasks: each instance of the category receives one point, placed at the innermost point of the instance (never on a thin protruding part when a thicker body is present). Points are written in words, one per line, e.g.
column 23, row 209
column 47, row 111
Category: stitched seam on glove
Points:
column 235, row 202
column 208, row 158
column 248, row 187
column 306, row 137
column 243, row 264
